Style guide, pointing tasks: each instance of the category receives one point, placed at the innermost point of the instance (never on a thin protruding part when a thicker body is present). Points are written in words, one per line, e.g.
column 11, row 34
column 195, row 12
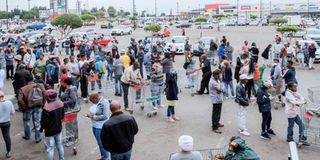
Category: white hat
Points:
column 123, row 51
column 243, row 77
column 186, row 143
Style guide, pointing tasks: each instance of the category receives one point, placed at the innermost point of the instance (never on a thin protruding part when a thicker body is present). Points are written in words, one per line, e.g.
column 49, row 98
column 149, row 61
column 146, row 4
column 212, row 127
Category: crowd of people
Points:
column 46, row 86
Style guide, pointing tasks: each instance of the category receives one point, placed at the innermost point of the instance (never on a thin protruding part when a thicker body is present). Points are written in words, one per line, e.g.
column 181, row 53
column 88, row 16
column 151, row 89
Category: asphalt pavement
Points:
column 157, row 138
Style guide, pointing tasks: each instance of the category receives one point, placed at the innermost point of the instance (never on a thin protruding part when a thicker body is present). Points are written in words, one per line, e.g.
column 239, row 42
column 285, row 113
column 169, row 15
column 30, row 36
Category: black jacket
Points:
column 117, row 134
column 241, row 95
column 265, row 53
column 263, row 100
column 51, row 118
column 172, row 89
column 312, row 52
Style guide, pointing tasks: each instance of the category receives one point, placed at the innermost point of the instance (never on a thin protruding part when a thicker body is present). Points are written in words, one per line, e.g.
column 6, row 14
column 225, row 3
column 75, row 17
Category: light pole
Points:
column 7, row 9
column 260, row 10
column 29, row 5
column 237, row 11
column 155, row 8
column 308, row 8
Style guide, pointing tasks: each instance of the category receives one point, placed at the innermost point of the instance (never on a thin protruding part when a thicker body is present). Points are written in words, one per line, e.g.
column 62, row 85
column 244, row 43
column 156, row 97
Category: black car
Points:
column 106, row 26
column 184, row 25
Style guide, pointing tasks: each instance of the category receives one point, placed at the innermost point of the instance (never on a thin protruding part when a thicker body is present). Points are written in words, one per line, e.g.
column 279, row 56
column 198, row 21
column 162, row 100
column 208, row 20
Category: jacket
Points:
column 290, row 75
column 227, row 75
column 216, row 91
column 263, row 101
column 117, row 134
column 167, row 65
column 293, row 102
column 265, row 53
column 20, row 78
column 69, row 99
column 51, row 118
column 243, row 152
column 312, row 52
column 171, row 88
column 241, row 95
column 23, row 95
column 98, row 64
column 117, row 67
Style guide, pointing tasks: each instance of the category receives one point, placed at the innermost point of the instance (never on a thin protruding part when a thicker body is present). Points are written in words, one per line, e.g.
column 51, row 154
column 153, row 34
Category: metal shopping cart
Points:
column 188, row 81
column 69, row 138
column 141, row 96
column 311, row 118
column 211, row 154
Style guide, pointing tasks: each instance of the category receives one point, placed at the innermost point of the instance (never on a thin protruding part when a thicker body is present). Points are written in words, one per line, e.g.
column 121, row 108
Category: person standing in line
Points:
column 40, row 67
column 157, row 81
column 216, row 90
column 187, row 49
column 227, row 80
column 84, row 73
column 191, row 72
column 283, row 55
column 118, row 72
column 294, row 101
column 131, row 76
column 254, row 52
column 72, row 45
column 109, row 66
column 9, row 56
column 44, row 41
column 228, row 52
column 30, row 101
column 266, row 55
column 74, row 71
column 312, row 55
column 206, row 74
column 173, row 50
column 276, row 50
column 125, row 59
column 305, row 49
column 172, row 96
column 290, row 52
column 19, row 78
column 2, row 59
column 141, row 58
column 245, row 48
column 99, row 114
column 183, row 30
column 167, row 64
column 51, row 124
column 300, row 56
column 212, row 49
column 243, row 102
column 117, row 134
column 67, row 46
column 264, row 104
column 7, row 110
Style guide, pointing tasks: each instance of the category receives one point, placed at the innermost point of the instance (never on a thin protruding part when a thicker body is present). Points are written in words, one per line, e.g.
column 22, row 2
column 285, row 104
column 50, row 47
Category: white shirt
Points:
column 29, row 59
column 74, row 69
column 2, row 78
column 277, row 48
column 130, row 75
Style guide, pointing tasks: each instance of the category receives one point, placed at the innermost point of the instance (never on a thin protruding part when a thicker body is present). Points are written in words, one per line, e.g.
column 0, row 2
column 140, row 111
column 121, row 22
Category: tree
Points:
column 279, row 21
column 201, row 19
column 133, row 18
column 162, row 14
column 112, row 11
column 102, row 9
column 121, row 13
column 127, row 13
column 153, row 28
column 87, row 18
column 65, row 23
column 254, row 17
column 288, row 31
column 218, row 17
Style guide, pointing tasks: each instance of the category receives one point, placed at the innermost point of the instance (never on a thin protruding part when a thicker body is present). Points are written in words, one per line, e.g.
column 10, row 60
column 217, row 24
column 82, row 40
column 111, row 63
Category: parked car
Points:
column 313, row 34
column 155, row 39
column 179, row 44
column 206, row 44
column 106, row 26
column 184, row 25
column 310, row 22
column 241, row 22
column 205, row 25
column 254, row 23
column 121, row 30
column 36, row 26
column 165, row 33
column 302, row 43
column 49, row 26
column 301, row 33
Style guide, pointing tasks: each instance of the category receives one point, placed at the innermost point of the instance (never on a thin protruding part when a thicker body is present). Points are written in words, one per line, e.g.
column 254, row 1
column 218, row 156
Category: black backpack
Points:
column 35, row 97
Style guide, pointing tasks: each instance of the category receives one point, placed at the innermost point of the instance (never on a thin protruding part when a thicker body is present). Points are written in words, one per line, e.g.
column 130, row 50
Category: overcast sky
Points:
column 149, row 5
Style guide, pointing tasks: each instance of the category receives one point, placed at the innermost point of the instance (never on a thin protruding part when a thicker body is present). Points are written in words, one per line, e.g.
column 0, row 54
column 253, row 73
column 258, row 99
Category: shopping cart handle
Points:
column 73, row 111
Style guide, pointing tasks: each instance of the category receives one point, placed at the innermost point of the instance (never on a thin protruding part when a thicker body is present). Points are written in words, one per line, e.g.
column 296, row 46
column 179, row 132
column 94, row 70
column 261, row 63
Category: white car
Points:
column 206, row 44
column 122, row 30
column 313, row 34
column 179, row 44
column 46, row 28
column 303, row 42
column 205, row 25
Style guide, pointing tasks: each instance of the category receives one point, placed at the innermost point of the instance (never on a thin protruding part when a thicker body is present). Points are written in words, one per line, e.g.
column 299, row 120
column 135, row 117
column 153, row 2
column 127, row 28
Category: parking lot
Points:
column 157, row 138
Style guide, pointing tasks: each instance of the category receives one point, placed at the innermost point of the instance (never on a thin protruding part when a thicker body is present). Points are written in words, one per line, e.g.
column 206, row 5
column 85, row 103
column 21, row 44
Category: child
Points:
column 172, row 96
column 227, row 79
column 63, row 76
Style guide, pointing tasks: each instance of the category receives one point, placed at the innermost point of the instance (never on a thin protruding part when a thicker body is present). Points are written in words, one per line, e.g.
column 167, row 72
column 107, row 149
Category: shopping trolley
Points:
column 68, row 136
column 141, row 96
column 311, row 118
column 211, row 154
column 188, row 81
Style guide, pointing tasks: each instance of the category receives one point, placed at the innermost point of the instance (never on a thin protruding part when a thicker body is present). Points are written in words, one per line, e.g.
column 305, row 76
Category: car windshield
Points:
column 179, row 39
column 314, row 31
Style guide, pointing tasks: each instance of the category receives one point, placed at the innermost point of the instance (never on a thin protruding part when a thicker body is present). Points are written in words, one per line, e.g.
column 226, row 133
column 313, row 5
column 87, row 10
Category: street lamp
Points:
column 29, row 5
column 7, row 8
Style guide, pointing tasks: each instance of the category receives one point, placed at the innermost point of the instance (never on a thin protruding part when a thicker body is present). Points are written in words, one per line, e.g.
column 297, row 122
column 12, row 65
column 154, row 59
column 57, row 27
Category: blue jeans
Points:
column 170, row 111
column 227, row 84
column 117, row 85
column 36, row 114
column 75, row 82
column 291, row 122
column 50, row 141
column 121, row 156
column 109, row 69
column 96, row 133
column 141, row 68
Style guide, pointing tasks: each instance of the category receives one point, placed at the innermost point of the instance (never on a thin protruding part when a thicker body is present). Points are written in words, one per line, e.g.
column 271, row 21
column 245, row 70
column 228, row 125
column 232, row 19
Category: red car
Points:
column 164, row 33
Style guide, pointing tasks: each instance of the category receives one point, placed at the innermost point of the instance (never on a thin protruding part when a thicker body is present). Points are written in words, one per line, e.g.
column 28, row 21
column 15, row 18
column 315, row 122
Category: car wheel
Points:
column 210, row 27
column 199, row 27
column 121, row 33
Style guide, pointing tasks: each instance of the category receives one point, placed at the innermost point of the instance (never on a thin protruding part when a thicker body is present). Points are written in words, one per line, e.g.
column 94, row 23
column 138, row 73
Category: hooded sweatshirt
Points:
column 98, row 64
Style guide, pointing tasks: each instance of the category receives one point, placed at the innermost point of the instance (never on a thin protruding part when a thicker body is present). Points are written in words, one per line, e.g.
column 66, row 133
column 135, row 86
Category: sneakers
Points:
column 170, row 119
column 271, row 132
column 8, row 155
column 155, row 108
column 265, row 136
column 246, row 133
column 175, row 118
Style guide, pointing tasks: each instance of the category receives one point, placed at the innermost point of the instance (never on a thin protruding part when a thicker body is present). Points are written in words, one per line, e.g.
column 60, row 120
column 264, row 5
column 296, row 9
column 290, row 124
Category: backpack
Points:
column 185, row 65
column 35, row 97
